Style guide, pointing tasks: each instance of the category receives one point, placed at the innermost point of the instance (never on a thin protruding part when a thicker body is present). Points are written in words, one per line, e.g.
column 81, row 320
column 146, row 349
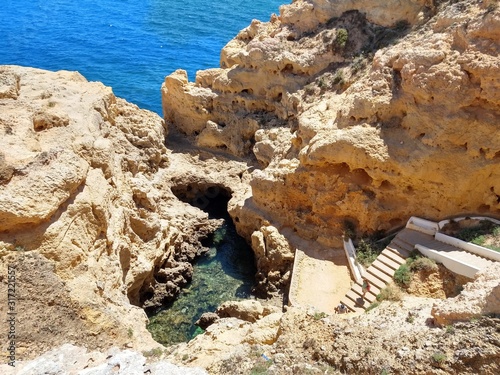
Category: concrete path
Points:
column 320, row 279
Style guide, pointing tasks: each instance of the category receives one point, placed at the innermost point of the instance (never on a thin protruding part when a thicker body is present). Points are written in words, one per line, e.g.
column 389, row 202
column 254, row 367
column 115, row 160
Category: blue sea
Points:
column 130, row 45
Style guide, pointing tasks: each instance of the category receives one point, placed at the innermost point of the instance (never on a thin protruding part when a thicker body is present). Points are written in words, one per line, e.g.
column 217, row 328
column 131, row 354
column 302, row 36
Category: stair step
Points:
column 380, row 275
column 397, row 249
column 394, row 256
column 383, row 267
column 359, row 298
column 388, row 262
column 351, row 305
column 359, row 289
column 374, row 280
column 358, row 301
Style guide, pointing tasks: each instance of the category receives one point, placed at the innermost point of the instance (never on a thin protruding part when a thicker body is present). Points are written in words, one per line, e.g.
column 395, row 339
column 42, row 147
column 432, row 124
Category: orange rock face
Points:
column 359, row 123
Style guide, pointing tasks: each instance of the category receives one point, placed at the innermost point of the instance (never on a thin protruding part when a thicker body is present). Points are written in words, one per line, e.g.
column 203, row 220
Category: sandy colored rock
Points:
column 345, row 138
column 248, row 310
column 481, row 297
column 70, row 359
column 85, row 196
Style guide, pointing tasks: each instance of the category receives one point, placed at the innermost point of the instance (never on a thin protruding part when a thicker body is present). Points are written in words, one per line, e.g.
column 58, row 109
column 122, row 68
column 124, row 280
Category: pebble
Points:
column 279, row 358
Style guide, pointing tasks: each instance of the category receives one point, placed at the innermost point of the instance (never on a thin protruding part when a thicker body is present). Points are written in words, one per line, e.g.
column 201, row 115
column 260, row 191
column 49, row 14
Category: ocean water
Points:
column 130, row 45
column 225, row 273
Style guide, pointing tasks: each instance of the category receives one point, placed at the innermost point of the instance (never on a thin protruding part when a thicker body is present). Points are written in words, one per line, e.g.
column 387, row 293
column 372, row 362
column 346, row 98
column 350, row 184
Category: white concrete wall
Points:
column 422, row 225
column 453, row 265
column 470, row 247
column 356, row 268
column 442, row 223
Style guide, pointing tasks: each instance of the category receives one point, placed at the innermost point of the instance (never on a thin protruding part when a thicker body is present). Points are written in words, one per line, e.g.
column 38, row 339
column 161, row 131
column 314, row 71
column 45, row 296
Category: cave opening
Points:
column 211, row 198
column 225, row 272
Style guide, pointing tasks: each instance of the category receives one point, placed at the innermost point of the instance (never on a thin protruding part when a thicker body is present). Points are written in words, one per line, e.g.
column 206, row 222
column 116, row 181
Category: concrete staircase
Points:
column 379, row 274
column 382, row 270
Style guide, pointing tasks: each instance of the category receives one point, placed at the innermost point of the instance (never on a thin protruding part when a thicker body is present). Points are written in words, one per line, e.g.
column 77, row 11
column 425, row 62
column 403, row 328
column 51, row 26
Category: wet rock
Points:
column 206, row 320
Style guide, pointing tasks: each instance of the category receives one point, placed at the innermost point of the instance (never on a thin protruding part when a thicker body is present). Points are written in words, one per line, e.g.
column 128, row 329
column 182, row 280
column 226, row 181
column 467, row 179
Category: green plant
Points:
column 402, row 276
column 422, row 264
column 260, row 368
column 341, row 38
column 410, row 318
column 358, row 63
column 156, row 352
column 19, row 248
column 481, row 234
column 385, row 372
column 130, row 332
column 349, row 229
column 338, row 79
column 372, row 306
column 319, row 315
column 368, row 350
column 439, row 357
column 322, row 82
column 390, row 293
column 185, row 357
column 450, row 329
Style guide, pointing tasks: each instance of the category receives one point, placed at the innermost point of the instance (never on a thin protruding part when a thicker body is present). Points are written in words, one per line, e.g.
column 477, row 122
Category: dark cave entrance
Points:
column 211, row 198
column 226, row 272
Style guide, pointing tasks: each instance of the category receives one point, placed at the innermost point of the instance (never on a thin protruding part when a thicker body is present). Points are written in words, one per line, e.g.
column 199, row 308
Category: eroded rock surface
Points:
column 358, row 112
column 70, row 359
column 86, row 203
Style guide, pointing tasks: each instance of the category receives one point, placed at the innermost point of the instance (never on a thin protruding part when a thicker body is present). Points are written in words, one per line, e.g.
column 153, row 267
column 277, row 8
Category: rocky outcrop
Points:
column 359, row 116
column 482, row 297
column 396, row 338
column 87, row 213
column 70, row 359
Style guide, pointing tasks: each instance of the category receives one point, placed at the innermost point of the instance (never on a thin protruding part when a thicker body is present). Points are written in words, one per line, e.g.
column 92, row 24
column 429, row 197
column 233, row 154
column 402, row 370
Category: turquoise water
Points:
column 225, row 273
column 129, row 45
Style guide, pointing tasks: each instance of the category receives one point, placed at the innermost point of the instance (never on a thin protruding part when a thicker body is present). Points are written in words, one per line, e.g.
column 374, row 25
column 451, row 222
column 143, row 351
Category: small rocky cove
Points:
column 226, row 272
column 116, row 222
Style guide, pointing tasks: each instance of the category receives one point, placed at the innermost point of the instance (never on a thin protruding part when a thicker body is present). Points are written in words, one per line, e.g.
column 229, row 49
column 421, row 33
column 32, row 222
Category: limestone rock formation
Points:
column 482, row 297
column 70, row 359
column 360, row 113
column 88, row 218
column 398, row 337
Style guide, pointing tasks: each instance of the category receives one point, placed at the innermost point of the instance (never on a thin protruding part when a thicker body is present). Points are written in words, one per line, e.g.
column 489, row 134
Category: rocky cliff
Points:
column 360, row 113
column 333, row 117
column 88, row 219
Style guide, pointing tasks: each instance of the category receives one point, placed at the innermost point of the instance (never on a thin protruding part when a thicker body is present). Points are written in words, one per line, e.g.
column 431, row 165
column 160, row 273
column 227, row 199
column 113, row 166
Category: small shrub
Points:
column 410, row 318
column 319, row 315
column 450, row 329
column 341, row 38
column 358, row 64
column 389, row 293
column 323, row 82
column 439, row 357
column 130, row 333
column 423, row 264
column 402, row 276
column 372, row 306
column 260, row 368
column 156, row 352
column 338, row 79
